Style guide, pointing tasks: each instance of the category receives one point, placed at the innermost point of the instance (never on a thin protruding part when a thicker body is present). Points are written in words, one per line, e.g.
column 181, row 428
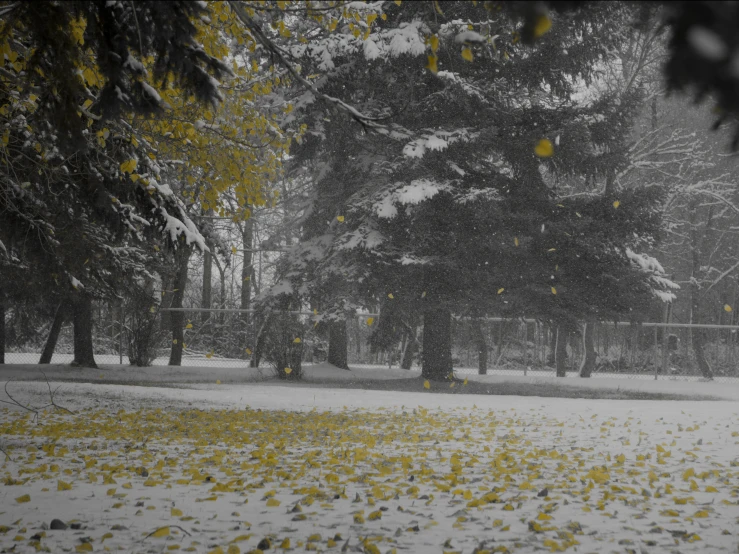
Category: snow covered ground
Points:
column 207, row 467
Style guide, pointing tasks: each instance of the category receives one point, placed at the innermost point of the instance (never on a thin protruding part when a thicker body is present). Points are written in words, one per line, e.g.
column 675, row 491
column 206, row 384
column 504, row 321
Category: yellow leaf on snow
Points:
column 23, row 499
column 62, row 486
column 84, row 547
column 159, row 533
column 174, row 512
column 273, row 502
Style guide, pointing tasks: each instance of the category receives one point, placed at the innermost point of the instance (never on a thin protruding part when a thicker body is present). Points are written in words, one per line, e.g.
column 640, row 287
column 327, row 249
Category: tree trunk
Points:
column 247, row 238
column 337, row 344
column 2, row 329
column 560, row 354
column 410, row 347
column 482, row 348
column 51, row 340
column 82, row 321
column 437, row 344
column 698, row 246
column 182, row 258
column 259, row 346
column 552, row 345
column 700, row 354
column 590, row 355
column 207, row 300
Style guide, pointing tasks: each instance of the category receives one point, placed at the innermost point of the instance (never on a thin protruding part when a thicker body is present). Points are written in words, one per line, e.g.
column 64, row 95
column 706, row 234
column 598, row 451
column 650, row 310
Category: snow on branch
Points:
column 661, row 285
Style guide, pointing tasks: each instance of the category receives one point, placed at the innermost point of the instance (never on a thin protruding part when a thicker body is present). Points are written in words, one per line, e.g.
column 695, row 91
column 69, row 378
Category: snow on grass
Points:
column 306, row 468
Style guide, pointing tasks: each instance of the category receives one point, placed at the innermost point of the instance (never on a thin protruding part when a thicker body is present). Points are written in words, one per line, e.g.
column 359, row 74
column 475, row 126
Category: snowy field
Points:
column 230, row 467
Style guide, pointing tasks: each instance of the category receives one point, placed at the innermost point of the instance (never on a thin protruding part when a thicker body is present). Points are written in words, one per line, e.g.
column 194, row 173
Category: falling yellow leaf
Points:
column 515, row 241
column 542, row 26
column 426, row 384
column 23, row 499
column 210, row 354
column 174, row 341
column 431, row 64
column 288, row 370
column 370, row 320
column 465, row 381
column 500, row 290
column 727, row 308
column 233, row 250
column 188, row 326
column 544, row 148
column 340, row 218
column 297, row 340
column 390, row 296
column 554, row 291
column 467, row 54
column 616, row 204
column 218, row 381
column 248, row 351
column 433, row 43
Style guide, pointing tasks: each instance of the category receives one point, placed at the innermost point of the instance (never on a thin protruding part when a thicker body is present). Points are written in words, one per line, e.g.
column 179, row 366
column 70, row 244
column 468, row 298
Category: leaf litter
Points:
column 388, row 479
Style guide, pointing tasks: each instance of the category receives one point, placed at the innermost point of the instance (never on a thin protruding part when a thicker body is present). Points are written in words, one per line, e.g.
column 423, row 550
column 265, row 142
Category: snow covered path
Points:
column 229, row 468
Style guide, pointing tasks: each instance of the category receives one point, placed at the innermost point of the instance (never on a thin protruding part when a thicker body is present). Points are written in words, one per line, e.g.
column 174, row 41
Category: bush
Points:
column 143, row 332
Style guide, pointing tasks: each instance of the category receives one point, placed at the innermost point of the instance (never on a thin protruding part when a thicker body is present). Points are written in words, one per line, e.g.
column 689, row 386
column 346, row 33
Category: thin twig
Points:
column 52, row 393
column 166, row 527
column 7, row 456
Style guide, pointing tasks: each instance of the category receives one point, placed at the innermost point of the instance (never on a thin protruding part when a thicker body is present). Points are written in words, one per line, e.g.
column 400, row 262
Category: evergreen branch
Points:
column 256, row 31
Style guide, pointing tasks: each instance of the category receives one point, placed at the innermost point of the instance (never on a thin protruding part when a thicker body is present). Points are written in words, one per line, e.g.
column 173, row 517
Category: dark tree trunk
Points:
column 337, row 344
column 182, row 258
column 698, row 246
column 247, row 237
column 552, row 345
column 437, row 344
column 259, row 346
column 207, row 300
column 2, row 329
column 482, row 348
column 588, row 362
column 410, row 348
column 82, row 321
column 699, row 340
column 560, row 355
column 51, row 340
